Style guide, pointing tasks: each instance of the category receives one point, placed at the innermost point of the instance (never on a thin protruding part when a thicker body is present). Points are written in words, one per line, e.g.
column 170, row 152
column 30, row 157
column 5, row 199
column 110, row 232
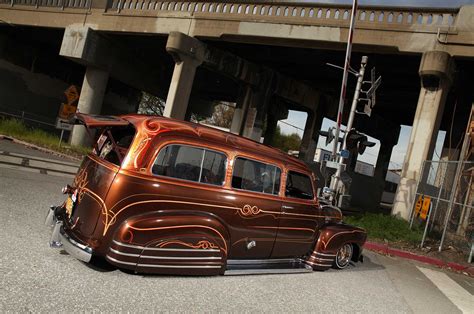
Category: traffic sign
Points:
column 425, row 207
column 63, row 124
column 418, row 205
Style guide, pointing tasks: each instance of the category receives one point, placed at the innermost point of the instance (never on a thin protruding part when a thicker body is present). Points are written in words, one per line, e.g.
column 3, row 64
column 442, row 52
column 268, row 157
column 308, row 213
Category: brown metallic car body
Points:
column 157, row 224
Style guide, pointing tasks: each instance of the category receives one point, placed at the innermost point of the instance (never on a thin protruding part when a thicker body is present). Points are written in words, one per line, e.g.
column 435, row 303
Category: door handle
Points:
column 287, row 207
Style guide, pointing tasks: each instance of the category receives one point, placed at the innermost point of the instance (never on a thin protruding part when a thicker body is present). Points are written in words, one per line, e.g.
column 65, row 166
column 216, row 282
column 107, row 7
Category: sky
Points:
column 297, row 119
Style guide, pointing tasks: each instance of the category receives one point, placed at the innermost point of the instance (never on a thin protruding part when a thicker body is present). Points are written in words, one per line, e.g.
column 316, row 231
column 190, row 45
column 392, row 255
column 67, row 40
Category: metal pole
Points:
column 355, row 100
column 414, row 199
column 342, row 96
column 61, row 137
column 439, row 196
column 350, row 121
column 451, row 201
column 427, row 223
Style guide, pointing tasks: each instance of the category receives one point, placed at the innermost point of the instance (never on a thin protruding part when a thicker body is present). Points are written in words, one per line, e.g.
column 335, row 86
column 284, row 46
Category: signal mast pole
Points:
column 360, row 79
column 342, row 97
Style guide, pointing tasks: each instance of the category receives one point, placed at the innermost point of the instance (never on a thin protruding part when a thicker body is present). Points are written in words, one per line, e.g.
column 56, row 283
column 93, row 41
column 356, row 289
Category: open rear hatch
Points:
column 112, row 137
column 96, row 121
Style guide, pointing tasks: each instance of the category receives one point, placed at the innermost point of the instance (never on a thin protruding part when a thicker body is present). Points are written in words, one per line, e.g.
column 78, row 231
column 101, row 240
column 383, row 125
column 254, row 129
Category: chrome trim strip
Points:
column 323, row 254
column 163, row 249
column 261, row 261
column 120, row 262
column 322, row 259
column 165, row 257
column 237, row 272
column 178, row 266
column 124, row 254
column 182, row 257
column 317, row 264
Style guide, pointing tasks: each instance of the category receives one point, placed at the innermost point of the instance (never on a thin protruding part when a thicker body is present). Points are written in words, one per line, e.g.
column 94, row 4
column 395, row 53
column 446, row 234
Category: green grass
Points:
column 18, row 130
column 386, row 227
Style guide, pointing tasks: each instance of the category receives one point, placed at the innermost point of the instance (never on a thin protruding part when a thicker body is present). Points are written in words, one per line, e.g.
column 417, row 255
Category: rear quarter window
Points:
column 113, row 143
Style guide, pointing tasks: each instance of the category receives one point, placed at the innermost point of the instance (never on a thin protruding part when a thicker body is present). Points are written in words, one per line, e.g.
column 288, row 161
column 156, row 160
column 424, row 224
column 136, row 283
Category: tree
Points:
column 151, row 105
column 222, row 115
column 286, row 142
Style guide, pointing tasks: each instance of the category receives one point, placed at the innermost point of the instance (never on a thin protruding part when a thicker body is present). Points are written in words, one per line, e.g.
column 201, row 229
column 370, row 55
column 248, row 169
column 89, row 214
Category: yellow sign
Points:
column 418, row 205
column 71, row 94
column 66, row 110
column 70, row 107
column 425, row 207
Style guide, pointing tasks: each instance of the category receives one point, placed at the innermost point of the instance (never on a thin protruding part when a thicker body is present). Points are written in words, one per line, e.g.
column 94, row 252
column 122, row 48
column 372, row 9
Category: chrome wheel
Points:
column 343, row 256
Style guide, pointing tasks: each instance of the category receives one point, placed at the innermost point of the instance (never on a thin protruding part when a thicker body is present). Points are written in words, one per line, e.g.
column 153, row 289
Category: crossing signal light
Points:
column 359, row 141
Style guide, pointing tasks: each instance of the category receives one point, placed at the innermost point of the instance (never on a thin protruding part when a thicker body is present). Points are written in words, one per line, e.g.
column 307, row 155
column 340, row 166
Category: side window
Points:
column 213, row 168
column 255, row 176
column 190, row 163
column 298, row 185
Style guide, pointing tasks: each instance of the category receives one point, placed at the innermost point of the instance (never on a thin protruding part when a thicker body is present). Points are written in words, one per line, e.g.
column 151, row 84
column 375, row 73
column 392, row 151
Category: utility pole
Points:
column 360, row 79
column 347, row 63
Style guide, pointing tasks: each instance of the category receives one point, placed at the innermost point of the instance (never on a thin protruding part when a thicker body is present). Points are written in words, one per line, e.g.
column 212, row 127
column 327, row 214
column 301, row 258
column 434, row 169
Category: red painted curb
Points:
column 384, row 248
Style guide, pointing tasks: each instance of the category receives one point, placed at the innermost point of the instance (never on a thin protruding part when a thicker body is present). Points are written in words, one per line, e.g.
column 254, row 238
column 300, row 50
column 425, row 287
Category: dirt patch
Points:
column 449, row 254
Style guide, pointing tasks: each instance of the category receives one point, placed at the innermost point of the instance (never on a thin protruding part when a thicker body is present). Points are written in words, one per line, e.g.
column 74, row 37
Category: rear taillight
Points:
column 67, row 189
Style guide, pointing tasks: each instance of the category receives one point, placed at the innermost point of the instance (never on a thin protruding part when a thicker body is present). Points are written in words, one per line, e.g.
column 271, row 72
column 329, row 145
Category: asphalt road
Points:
column 35, row 278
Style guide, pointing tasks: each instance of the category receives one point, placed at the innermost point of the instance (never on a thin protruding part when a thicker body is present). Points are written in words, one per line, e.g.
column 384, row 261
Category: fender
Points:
column 331, row 237
column 171, row 242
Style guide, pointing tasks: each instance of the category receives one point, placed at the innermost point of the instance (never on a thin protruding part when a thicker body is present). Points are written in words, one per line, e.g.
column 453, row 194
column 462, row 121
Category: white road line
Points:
column 452, row 290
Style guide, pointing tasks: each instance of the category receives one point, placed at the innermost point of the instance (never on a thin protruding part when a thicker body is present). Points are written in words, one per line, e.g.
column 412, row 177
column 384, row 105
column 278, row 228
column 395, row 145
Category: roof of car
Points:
column 212, row 135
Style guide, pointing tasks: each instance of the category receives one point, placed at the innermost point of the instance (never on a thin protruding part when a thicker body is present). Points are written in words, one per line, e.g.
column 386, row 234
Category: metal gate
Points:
column 444, row 204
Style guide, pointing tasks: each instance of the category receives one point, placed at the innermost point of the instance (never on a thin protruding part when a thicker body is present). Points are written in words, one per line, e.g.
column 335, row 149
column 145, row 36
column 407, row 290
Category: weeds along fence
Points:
column 444, row 204
column 46, row 123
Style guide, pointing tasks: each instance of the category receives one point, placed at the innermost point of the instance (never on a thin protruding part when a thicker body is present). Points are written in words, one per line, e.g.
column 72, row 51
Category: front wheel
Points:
column 343, row 256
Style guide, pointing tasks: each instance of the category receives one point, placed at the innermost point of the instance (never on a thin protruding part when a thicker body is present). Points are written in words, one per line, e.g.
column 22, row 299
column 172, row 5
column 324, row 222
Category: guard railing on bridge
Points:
column 308, row 14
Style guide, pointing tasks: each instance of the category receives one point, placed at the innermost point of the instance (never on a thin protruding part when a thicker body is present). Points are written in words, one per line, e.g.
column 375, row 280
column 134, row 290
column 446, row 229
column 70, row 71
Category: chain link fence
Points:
column 38, row 121
column 444, row 204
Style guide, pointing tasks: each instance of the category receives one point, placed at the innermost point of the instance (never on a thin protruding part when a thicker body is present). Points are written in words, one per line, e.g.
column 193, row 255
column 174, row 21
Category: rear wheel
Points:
column 343, row 256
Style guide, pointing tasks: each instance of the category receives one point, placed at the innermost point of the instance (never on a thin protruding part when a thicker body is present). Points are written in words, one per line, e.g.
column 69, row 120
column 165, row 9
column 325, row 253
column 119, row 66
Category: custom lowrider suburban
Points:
column 157, row 195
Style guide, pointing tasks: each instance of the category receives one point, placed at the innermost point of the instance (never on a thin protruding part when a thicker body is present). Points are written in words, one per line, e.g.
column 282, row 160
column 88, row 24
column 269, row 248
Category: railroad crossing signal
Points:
column 370, row 93
column 357, row 140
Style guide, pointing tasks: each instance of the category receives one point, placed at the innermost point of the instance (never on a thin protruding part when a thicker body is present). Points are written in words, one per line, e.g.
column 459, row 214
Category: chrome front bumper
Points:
column 59, row 239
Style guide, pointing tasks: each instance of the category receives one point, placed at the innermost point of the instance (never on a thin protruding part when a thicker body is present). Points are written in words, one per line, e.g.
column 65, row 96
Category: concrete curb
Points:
column 42, row 149
column 385, row 249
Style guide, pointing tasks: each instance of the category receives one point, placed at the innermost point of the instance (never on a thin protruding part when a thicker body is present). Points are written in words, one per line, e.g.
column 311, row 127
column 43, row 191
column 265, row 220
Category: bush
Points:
column 387, row 227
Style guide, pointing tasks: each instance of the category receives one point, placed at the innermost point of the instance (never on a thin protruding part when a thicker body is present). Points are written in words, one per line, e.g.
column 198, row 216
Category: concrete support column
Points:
column 249, row 131
column 240, row 111
column 383, row 160
column 436, row 70
column 90, row 101
column 310, row 136
column 258, row 102
column 188, row 54
column 272, row 122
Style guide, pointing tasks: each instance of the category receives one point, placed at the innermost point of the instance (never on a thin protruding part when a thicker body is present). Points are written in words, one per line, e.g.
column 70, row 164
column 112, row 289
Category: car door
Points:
column 255, row 192
column 300, row 217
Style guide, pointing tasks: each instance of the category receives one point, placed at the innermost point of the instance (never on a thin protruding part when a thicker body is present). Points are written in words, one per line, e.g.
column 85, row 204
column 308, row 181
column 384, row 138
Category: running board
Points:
column 269, row 266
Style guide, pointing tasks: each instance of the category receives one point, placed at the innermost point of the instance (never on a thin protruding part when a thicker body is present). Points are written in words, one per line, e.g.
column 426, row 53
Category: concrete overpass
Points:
column 268, row 57
column 412, row 30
